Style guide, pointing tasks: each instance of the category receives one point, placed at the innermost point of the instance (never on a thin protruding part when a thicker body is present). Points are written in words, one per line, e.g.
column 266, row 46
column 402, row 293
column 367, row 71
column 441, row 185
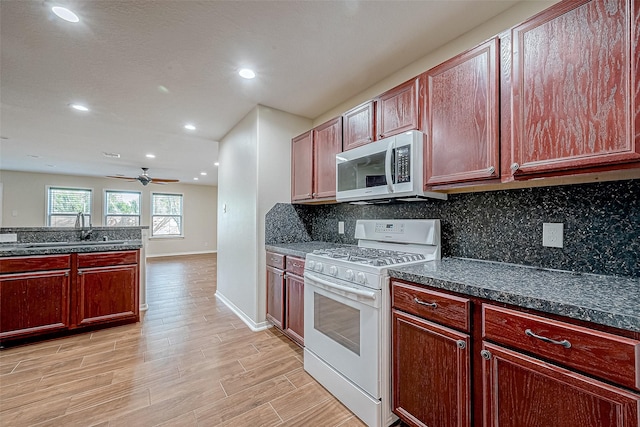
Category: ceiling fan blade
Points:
column 159, row 180
column 123, row 177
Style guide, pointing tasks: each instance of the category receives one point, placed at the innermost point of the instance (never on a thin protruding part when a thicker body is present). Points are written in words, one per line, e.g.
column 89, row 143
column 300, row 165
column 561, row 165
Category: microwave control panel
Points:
column 403, row 164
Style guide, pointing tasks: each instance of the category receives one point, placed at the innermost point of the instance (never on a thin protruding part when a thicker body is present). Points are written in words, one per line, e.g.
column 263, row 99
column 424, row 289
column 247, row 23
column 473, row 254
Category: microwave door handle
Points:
column 388, row 165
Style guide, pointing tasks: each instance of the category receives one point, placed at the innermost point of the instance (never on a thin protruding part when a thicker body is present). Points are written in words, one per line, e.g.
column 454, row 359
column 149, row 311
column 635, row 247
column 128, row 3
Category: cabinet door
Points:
column 107, row 294
column 275, row 297
column 397, row 109
column 462, row 119
column 575, row 89
column 359, row 126
column 34, row 303
column 295, row 308
column 327, row 142
column 521, row 391
column 431, row 363
column 302, row 167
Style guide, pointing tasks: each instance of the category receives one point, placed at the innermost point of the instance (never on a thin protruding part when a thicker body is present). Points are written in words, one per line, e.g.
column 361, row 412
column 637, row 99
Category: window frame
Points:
column 105, row 205
column 47, row 212
column 152, row 216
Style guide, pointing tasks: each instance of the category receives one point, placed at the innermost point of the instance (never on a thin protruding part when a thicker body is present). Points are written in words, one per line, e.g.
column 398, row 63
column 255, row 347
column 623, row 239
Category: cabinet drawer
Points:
column 275, row 260
column 605, row 355
column 295, row 266
column 35, row 263
column 448, row 310
column 103, row 259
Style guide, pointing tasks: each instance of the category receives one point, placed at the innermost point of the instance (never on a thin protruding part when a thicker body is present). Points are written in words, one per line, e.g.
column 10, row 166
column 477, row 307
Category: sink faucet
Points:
column 84, row 234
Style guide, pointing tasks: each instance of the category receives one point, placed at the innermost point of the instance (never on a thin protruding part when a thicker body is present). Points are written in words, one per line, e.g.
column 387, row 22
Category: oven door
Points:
column 342, row 327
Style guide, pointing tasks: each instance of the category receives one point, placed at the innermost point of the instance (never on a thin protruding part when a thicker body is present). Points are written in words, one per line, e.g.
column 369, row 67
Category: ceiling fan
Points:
column 145, row 178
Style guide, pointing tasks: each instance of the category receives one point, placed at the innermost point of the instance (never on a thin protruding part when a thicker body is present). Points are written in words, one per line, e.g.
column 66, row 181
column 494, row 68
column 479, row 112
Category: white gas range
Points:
column 347, row 311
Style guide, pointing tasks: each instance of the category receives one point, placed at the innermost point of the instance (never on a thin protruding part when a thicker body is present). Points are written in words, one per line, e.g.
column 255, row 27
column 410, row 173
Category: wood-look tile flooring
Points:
column 189, row 362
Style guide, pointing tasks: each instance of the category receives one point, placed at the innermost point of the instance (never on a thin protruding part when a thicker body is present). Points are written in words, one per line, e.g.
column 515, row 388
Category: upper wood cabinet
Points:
column 359, row 125
column 462, row 117
column 575, row 89
column 327, row 142
column 302, row 167
column 397, row 109
column 313, row 162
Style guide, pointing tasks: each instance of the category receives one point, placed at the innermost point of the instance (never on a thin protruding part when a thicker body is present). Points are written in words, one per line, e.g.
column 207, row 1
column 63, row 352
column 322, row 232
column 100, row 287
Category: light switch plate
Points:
column 553, row 234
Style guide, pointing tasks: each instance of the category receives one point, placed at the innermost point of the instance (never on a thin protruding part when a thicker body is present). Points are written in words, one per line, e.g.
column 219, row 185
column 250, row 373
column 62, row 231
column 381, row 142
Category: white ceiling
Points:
column 309, row 56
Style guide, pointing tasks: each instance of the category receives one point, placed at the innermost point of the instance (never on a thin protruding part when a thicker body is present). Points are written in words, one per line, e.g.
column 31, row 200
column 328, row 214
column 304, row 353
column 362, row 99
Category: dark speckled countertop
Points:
column 28, row 249
column 301, row 249
column 606, row 300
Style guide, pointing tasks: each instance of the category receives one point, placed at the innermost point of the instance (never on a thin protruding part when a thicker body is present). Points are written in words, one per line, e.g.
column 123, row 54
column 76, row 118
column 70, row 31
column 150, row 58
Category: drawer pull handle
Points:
column 461, row 344
column 428, row 304
column 296, row 265
column 564, row 343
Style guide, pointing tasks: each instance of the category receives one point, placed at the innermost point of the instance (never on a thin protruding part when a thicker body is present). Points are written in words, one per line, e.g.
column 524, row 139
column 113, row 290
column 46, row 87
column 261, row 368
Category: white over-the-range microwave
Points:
column 391, row 168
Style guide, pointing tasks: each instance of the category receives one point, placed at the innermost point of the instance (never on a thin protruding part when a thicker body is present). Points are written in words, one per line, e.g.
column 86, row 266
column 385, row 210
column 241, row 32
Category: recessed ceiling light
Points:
column 151, row 156
column 195, row 179
column 66, row 14
column 189, row 126
column 203, row 173
column 247, row 73
column 111, row 155
column 79, row 107
column 216, row 164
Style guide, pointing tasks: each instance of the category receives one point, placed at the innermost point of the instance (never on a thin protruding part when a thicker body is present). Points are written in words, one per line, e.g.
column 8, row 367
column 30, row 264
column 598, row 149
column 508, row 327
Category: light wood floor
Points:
column 189, row 362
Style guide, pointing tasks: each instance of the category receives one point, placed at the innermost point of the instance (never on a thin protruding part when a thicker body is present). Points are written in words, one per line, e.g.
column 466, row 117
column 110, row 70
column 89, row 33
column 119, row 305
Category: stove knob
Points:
column 319, row 267
column 333, row 270
column 311, row 264
column 349, row 274
column 361, row 278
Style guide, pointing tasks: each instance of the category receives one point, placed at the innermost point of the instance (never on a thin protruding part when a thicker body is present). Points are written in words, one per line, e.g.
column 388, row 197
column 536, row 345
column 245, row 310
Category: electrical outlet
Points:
column 553, row 234
column 340, row 227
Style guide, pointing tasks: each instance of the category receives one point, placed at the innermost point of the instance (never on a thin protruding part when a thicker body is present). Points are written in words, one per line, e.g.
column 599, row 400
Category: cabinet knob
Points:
column 514, row 167
column 369, row 139
column 314, row 194
column 308, row 194
column 461, row 344
column 380, row 136
column 485, row 354
column 491, row 170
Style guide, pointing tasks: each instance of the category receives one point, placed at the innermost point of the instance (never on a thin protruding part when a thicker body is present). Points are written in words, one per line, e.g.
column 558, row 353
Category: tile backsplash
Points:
column 601, row 225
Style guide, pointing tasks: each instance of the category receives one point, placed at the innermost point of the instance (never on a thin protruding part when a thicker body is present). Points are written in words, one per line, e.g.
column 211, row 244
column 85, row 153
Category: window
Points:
column 122, row 208
column 166, row 214
column 64, row 204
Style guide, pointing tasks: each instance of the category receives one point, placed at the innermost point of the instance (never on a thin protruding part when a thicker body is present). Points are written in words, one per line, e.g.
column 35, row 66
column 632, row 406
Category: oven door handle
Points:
column 329, row 285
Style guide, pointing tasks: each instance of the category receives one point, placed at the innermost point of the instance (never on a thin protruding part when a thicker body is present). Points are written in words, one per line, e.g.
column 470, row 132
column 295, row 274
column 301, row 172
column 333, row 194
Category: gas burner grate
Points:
column 370, row 256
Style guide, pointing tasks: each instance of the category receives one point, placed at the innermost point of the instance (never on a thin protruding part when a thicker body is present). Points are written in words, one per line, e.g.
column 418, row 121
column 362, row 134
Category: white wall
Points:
column 513, row 16
column 254, row 174
column 24, row 205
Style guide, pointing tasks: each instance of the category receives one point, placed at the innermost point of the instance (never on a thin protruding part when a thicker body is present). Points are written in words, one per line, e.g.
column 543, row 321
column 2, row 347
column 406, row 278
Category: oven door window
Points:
column 337, row 321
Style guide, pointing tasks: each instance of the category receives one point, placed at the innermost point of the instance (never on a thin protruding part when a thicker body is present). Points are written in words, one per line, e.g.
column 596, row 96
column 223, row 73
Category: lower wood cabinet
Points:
column 508, row 367
column 48, row 294
column 294, row 311
column 107, row 288
column 523, row 391
column 285, row 294
column 431, row 366
column 275, row 297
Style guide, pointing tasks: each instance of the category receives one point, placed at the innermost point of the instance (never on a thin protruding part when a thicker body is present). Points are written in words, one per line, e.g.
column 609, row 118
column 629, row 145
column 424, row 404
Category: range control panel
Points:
column 389, row 227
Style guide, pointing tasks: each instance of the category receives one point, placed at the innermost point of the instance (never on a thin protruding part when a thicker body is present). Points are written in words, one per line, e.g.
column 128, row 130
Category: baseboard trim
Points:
column 144, row 307
column 181, row 254
column 256, row 327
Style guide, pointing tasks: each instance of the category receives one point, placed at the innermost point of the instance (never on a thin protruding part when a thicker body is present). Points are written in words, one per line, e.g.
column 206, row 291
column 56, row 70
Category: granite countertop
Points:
column 52, row 248
column 301, row 249
column 606, row 300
